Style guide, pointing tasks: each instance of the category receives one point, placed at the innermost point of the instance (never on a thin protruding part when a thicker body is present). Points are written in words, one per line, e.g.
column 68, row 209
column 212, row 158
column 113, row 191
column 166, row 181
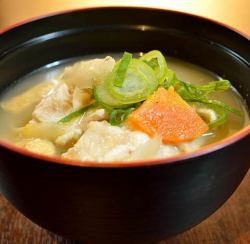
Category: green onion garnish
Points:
column 122, row 69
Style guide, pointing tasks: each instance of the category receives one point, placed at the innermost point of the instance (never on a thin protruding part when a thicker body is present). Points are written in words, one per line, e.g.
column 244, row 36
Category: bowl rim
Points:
column 180, row 158
column 136, row 7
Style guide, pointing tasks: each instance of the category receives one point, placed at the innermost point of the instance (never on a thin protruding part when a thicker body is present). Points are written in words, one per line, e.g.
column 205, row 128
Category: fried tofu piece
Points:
column 45, row 130
column 21, row 106
column 38, row 145
column 27, row 99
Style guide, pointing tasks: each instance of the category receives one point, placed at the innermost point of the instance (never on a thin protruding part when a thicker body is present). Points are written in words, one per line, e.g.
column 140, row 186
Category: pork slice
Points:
column 78, row 126
column 86, row 74
column 55, row 106
column 104, row 142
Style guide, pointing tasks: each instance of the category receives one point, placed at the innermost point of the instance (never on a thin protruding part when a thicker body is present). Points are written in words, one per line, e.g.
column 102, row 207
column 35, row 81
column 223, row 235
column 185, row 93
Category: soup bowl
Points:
column 122, row 202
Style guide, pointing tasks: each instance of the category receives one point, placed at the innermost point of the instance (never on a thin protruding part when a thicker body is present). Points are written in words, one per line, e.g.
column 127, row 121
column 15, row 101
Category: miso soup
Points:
column 120, row 108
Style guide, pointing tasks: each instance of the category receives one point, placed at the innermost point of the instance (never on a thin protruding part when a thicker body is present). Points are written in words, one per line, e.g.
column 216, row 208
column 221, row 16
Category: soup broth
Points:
column 19, row 121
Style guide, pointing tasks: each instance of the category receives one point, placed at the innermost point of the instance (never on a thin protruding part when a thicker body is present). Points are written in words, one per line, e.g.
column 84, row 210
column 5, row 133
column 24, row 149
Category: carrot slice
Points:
column 166, row 114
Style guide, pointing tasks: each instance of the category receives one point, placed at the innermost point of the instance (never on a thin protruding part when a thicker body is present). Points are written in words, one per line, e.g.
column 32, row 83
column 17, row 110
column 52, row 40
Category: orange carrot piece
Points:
column 166, row 114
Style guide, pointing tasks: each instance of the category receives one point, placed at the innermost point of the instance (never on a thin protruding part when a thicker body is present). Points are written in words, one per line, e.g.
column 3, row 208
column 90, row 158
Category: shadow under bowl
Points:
column 137, row 204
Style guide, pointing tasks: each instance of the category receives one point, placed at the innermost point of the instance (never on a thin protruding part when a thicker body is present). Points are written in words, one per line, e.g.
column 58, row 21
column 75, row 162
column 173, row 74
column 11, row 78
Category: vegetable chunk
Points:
column 38, row 145
column 166, row 114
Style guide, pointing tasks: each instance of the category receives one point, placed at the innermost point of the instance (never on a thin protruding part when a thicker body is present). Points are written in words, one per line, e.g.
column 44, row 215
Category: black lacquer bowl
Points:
column 124, row 203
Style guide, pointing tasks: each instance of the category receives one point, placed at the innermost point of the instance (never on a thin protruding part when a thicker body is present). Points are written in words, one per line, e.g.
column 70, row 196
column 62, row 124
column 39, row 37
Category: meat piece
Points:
column 55, row 106
column 167, row 150
column 78, row 126
column 148, row 150
column 71, row 135
column 86, row 74
column 103, row 142
column 207, row 114
column 81, row 98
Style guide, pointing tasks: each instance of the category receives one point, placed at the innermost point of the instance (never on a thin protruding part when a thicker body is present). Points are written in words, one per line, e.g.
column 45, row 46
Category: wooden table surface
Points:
column 230, row 224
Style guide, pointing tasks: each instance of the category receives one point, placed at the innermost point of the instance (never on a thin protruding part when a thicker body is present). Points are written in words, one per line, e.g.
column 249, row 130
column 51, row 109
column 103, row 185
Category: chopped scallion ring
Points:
column 157, row 62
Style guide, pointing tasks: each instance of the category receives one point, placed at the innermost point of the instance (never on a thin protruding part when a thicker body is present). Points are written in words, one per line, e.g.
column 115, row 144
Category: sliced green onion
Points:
column 217, row 104
column 221, row 115
column 118, row 116
column 224, row 106
column 76, row 113
column 153, row 63
column 157, row 62
column 192, row 91
column 103, row 97
column 139, row 83
column 213, row 86
column 122, row 69
column 170, row 80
